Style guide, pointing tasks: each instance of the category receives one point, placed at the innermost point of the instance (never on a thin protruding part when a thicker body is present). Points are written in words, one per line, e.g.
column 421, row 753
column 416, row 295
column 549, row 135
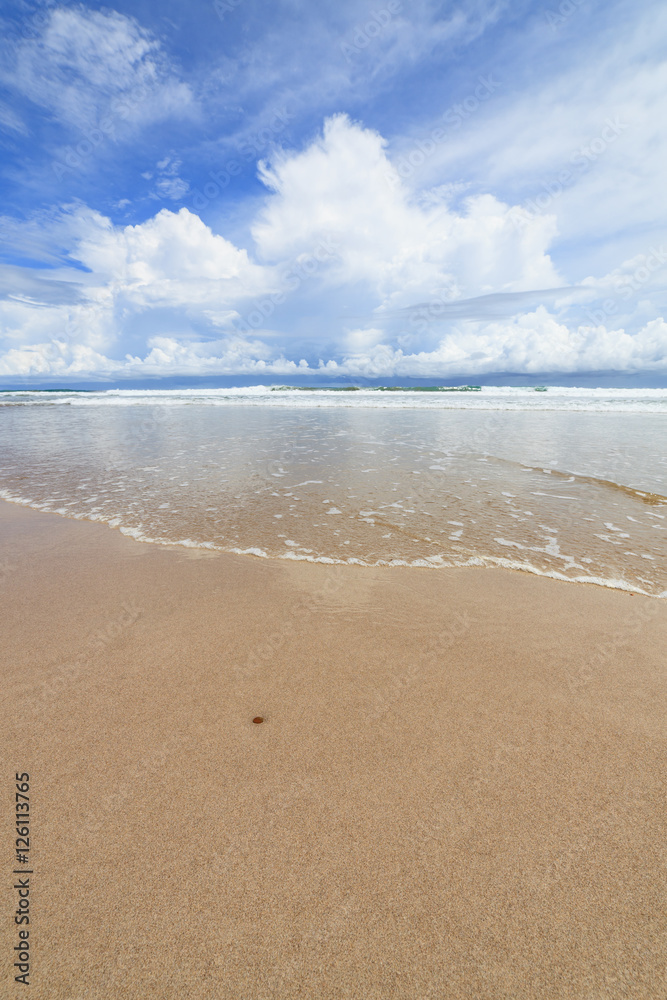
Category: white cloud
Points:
column 10, row 121
column 169, row 184
column 526, row 136
column 343, row 185
column 86, row 66
column 174, row 188
column 164, row 296
column 531, row 343
column 49, row 360
column 229, row 354
column 171, row 263
column 348, row 53
column 641, row 273
column 165, row 356
column 169, row 260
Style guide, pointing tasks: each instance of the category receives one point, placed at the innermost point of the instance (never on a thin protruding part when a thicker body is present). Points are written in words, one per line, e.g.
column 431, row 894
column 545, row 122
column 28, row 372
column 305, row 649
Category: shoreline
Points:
column 475, row 562
column 458, row 788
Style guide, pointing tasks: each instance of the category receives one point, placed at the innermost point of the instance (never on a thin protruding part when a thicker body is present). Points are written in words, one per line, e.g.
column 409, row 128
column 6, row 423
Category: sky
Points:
column 286, row 191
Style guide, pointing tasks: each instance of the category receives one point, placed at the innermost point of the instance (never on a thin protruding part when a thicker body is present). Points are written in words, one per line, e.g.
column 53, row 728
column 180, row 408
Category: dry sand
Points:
column 458, row 789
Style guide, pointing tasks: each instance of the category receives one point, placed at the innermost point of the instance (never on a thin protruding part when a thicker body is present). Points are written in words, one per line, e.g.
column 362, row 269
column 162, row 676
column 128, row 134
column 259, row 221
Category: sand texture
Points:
column 458, row 789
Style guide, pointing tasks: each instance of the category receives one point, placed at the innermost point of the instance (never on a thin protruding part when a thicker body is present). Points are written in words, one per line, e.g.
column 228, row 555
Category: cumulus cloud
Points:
column 345, row 186
column 170, row 260
column 441, row 290
column 172, row 264
column 534, row 343
column 530, row 343
column 583, row 140
column 165, row 356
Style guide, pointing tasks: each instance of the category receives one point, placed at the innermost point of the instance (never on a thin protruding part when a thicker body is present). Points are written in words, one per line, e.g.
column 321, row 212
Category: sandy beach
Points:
column 458, row 788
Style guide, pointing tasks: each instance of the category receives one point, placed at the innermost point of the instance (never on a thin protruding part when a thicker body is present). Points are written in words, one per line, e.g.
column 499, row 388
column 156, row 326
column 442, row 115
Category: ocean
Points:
column 564, row 482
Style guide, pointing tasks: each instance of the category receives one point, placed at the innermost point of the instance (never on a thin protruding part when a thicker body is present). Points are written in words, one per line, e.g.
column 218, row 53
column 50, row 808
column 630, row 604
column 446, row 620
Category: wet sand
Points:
column 458, row 789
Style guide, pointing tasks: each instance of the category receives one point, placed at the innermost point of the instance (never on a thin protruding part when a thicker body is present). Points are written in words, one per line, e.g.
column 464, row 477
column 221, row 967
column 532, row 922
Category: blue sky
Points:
column 290, row 190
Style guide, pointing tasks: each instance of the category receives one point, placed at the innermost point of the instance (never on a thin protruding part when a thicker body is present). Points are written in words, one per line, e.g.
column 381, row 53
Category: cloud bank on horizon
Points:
column 356, row 189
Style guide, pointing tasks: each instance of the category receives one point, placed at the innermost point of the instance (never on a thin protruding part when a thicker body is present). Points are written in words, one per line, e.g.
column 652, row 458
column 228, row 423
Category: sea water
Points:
column 565, row 482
